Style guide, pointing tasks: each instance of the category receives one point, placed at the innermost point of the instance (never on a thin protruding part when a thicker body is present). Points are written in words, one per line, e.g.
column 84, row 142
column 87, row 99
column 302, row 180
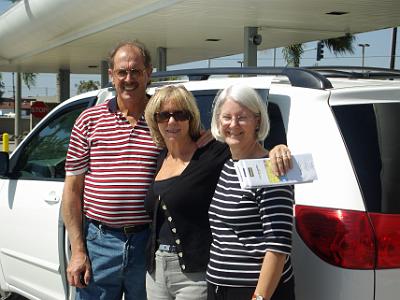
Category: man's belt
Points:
column 131, row 229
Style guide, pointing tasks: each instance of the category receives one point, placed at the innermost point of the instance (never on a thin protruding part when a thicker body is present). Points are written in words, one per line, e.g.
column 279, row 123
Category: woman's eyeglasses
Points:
column 123, row 73
column 178, row 115
column 240, row 119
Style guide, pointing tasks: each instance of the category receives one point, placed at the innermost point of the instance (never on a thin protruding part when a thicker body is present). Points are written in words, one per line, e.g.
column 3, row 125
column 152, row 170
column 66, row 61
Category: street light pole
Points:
column 363, row 46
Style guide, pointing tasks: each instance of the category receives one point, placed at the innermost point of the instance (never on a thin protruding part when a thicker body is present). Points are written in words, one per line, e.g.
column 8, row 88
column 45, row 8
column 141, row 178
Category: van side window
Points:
column 277, row 132
column 205, row 101
column 43, row 157
column 370, row 132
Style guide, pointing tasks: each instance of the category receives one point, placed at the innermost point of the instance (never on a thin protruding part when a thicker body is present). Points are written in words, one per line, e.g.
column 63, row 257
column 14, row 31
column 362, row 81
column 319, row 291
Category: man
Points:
column 110, row 163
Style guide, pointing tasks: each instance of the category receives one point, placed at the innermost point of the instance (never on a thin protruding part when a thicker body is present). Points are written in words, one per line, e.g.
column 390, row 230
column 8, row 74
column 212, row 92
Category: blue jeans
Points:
column 118, row 265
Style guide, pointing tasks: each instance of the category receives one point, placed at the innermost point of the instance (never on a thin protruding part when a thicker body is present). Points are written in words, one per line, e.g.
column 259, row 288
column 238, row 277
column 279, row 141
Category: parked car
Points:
column 347, row 235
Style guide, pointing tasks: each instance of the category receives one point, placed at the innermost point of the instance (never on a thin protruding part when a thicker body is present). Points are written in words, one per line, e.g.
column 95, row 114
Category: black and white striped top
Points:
column 245, row 224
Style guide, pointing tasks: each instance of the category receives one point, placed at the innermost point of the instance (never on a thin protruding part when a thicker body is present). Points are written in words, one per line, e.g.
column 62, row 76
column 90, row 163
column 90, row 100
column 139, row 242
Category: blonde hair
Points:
column 183, row 100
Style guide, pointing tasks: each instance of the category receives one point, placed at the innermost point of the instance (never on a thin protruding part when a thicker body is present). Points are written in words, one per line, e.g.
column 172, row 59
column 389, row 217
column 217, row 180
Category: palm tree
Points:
column 340, row 45
column 29, row 79
column 292, row 54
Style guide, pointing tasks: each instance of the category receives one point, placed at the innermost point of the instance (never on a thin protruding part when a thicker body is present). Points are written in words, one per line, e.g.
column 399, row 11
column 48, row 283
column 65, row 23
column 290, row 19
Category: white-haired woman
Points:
column 251, row 229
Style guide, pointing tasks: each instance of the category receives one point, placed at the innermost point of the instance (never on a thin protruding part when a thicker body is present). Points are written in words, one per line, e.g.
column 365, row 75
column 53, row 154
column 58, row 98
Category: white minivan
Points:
column 347, row 236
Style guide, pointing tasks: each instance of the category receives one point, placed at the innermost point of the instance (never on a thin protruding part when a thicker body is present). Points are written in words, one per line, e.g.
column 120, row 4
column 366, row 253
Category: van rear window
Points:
column 371, row 135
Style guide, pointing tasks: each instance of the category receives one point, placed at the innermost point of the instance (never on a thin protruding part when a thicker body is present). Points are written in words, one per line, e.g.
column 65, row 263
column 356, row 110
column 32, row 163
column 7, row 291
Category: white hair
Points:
column 247, row 97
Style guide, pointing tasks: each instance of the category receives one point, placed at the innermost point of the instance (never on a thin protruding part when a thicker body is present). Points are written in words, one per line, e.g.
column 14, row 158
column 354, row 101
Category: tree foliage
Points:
column 87, row 85
column 29, row 79
column 292, row 54
column 337, row 46
column 341, row 45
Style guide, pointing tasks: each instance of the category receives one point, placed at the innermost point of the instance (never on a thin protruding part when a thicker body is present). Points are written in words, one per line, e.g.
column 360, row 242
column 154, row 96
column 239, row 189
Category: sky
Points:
column 376, row 55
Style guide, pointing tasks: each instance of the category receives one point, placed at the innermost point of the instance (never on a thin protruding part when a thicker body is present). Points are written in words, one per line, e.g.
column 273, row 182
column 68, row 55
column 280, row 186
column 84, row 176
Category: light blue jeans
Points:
column 118, row 265
column 168, row 282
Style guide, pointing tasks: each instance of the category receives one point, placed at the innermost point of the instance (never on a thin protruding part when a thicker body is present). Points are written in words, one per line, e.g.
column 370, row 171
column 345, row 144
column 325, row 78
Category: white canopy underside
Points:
column 48, row 35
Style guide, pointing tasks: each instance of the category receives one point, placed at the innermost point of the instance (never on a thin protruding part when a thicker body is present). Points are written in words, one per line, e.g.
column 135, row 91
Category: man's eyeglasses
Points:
column 123, row 73
column 178, row 115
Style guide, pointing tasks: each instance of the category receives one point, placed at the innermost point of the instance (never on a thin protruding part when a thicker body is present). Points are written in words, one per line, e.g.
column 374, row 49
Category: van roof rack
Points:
column 299, row 77
column 356, row 72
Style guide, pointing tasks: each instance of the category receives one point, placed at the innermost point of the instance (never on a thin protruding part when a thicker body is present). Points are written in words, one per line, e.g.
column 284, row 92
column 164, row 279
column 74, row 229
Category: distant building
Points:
column 7, row 107
column 7, row 113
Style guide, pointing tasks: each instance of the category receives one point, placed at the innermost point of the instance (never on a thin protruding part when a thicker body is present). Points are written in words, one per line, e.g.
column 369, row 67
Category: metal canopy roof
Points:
column 48, row 35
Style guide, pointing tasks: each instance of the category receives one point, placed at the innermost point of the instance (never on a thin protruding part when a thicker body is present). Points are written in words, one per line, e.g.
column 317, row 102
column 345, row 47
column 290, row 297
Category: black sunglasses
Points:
column 178, row 115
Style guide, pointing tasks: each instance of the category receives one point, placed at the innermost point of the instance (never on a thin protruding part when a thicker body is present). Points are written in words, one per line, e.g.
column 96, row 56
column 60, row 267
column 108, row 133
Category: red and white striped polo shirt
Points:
column 119, row 161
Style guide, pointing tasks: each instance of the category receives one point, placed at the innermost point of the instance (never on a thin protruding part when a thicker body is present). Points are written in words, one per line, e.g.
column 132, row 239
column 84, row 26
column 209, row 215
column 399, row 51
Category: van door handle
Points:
column 52, row 198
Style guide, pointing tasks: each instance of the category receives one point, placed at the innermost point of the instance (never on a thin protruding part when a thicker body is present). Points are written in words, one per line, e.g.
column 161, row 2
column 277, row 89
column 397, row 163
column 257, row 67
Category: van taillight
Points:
column 387, row 230
column 340, row 237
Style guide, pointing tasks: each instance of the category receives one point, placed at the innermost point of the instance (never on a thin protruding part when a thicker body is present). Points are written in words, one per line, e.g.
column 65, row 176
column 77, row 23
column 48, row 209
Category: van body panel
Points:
column 316, row 279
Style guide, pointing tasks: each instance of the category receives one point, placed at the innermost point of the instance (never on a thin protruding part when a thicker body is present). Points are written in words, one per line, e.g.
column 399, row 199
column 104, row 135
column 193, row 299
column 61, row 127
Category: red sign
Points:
column 39, row 109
